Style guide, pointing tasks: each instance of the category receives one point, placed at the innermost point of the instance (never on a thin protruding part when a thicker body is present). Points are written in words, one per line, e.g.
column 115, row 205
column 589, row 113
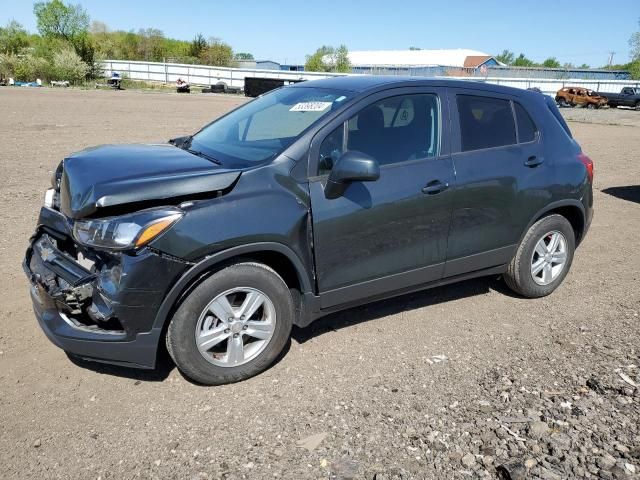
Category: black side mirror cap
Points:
column 353, row 166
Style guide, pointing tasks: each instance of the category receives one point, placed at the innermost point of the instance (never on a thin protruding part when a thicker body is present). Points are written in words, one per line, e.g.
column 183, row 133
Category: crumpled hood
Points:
column 113, row 175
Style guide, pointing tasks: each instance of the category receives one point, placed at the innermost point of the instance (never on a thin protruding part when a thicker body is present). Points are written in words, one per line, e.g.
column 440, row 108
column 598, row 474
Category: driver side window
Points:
column 392, row 130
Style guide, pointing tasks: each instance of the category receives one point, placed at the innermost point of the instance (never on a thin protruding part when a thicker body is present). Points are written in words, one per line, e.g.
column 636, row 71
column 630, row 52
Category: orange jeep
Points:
column 572, row 96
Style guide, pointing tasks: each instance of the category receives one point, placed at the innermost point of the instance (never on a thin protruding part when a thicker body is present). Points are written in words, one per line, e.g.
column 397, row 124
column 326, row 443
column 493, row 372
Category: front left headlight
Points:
column 126, row 231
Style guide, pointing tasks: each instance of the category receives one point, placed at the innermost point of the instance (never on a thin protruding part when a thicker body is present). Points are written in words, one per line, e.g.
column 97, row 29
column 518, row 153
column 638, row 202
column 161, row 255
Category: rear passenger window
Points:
column 526, row 128
column 485, row 122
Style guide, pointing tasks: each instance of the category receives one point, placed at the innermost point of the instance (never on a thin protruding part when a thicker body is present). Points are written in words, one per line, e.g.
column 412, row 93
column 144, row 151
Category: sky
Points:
column 285, row 31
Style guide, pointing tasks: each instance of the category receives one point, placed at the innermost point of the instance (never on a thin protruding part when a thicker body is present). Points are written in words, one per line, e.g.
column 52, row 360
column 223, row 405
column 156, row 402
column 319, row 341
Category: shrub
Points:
column 67, row 65
column 8, row 65
column 29, row 68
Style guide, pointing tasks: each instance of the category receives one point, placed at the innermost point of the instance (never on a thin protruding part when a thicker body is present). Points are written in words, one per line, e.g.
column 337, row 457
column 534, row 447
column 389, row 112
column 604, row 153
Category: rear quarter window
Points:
column 526, row 127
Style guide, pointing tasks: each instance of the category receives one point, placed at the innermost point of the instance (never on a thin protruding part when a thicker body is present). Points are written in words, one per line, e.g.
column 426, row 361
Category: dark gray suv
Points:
column 310, row 199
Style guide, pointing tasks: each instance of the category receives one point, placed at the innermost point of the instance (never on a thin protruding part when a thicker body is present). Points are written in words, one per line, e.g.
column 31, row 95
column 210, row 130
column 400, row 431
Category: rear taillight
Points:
column 587, row 163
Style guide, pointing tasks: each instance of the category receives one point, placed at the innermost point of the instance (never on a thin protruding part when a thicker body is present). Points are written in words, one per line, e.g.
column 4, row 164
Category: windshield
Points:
column 263, row 128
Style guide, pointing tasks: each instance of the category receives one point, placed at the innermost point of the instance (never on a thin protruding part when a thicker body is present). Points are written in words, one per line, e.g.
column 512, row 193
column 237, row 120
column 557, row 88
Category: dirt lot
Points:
column 457, row 382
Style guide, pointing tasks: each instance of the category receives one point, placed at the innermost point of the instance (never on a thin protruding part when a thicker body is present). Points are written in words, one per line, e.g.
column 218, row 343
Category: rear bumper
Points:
column 104, row 314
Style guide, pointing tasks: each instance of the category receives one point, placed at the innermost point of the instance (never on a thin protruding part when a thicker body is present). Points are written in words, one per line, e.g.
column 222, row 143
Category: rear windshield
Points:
column 264, row 127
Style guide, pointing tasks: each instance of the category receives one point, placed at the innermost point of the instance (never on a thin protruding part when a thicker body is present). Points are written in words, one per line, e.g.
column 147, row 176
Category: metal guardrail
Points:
column 234, row 77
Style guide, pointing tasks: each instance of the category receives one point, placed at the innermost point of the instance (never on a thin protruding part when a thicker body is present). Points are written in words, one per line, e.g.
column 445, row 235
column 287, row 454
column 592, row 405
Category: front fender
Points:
column 209, row 263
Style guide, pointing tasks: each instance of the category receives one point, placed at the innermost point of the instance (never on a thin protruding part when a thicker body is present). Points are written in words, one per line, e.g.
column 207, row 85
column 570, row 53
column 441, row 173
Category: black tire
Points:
column 519, row 277
column 637, row 106
column 180, row 338
column 591, row 106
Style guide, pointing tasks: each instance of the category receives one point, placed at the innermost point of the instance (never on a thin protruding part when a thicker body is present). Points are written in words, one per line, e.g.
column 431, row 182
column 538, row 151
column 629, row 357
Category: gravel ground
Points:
column 456, row 382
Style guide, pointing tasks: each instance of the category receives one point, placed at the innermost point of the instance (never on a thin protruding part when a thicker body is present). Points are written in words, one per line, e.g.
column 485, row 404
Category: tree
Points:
column 634, row 43
column 244, row 56
column 634, row 66
column 342, row 62
column 329, row 59
column 315, row 62
column 151, row 44
column 634, row 69
column 13, row 38
column 217, row 53
column 523, row 61
column 551, row 62
column 584, row 65
column 197, row 46
column 55, row 19
column 507, row 57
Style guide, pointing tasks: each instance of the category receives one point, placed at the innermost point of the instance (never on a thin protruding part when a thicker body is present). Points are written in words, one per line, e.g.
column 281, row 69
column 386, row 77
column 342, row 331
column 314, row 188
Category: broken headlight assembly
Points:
column 126, row 231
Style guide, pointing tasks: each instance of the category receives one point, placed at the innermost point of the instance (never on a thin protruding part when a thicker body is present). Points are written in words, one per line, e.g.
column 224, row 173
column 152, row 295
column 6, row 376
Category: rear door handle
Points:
column 533, row 161
column 434, row 187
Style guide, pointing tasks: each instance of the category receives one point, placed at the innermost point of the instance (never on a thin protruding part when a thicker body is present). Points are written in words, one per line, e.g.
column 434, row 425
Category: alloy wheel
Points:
column 235, row 327
column 549, row 258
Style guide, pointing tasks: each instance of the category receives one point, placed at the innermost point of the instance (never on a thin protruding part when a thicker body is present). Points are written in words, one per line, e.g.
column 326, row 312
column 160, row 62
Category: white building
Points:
column 372, row 60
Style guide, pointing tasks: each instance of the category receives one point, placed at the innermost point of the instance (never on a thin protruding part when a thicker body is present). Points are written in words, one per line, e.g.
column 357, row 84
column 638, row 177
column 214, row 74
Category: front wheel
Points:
column 232, row 326
column 637, row 106
column 543, row 258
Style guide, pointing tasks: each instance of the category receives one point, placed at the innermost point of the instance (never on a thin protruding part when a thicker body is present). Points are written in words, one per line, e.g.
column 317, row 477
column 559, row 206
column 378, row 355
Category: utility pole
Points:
column 611, row 54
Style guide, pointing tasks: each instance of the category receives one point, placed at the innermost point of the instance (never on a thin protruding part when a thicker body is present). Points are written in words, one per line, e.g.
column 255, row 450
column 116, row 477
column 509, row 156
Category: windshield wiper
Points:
column 203, row 155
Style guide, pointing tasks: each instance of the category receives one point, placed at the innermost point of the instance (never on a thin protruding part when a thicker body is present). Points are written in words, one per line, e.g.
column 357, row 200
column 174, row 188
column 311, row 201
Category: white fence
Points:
column 234, row 77
column 199, row 74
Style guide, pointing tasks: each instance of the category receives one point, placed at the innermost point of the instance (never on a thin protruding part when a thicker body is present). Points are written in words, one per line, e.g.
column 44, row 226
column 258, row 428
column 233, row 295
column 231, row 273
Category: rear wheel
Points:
column 232, row 326
column 637, row 106
column 543, row 258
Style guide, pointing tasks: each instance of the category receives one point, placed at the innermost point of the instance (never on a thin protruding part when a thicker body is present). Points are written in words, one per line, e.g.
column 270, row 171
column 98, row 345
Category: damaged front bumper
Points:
column 97, row 305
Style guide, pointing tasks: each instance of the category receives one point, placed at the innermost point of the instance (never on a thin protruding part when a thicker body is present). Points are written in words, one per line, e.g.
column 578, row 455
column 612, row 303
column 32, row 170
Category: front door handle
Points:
column 434, row 187
column 533, row 161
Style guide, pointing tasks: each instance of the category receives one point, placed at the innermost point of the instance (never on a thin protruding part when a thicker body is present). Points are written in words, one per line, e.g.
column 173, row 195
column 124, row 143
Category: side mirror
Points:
column 352, row 166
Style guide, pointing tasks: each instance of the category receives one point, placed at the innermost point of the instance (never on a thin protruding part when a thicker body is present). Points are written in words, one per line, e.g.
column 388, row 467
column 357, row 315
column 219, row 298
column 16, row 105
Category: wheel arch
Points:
column 572, row 210
column 277, row 256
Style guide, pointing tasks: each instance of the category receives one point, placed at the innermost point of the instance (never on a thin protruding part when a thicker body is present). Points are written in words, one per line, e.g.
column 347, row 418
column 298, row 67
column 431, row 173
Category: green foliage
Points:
column 315, row 62
column 244, row 56
column 56, row 19
column 634, row 43
column 584, row 65
column 67, row 65
column 28, row 68
column 634, row 66
column 634, row 69
column 522, row 61
column 198, row 46
column 507, row 57
column 329, row 59
column 341, row 60
column 8, row 65
column 217, row 53
column 551, row 62
column 13, row 38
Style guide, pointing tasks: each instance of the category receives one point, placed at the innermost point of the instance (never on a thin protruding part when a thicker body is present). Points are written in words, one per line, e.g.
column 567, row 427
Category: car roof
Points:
column 372, row 83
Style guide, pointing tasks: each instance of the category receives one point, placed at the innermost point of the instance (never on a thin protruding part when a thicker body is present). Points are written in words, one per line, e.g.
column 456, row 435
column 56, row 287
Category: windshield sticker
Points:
column 310, row 107
column 339, row 99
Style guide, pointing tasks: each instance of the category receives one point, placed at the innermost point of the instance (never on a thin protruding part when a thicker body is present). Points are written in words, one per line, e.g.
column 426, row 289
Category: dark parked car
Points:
column 310, row 199
column 628, row 97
